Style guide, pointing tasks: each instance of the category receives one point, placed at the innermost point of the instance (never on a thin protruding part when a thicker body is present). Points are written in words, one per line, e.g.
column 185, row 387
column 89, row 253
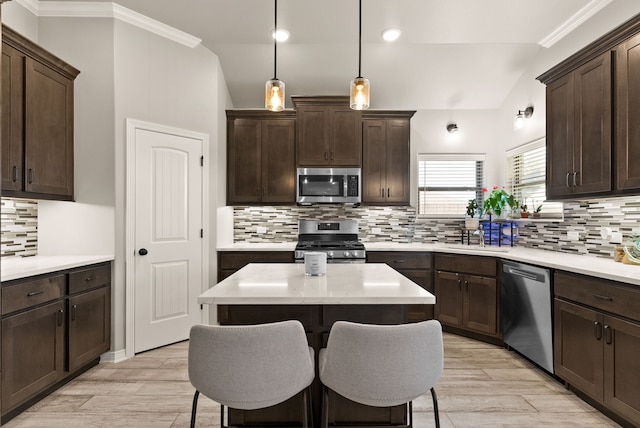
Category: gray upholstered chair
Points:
column 250, row 367
column 382, row 365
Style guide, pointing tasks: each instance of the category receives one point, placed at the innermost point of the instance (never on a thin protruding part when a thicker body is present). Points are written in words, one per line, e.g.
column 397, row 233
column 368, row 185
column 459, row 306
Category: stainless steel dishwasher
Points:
column 525, row 312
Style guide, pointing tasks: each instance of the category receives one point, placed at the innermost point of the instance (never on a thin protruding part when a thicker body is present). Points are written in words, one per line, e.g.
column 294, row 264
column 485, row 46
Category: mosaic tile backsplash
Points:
column 19, row 227
column 398, row 224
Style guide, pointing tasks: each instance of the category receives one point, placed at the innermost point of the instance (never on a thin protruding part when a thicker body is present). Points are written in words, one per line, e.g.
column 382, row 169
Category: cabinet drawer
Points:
column 235, row 261
column 599, row 293
column 401, row 259
column 86, row 279
column 476, row 265
column 31, row 293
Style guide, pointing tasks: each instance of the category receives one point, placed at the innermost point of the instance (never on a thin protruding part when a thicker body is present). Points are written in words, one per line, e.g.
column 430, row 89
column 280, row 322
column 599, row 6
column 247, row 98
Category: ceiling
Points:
column 452, row 54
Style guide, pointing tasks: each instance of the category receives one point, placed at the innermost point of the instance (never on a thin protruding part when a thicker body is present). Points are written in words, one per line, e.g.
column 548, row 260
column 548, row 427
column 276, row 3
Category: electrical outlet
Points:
column 616, row 238
column 261, row 230
column 376, row 230
column 573, row 235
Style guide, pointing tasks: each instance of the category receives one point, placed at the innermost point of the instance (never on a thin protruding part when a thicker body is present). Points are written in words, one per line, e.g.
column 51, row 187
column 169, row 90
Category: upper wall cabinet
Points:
column 328, row 132
column 628, row 114
column 385, row 157
column 260, row 157
column 37, row 121
column 593, row 105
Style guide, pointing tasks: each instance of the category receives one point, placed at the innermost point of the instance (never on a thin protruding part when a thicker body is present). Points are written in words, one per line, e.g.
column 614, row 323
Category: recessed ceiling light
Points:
column 391, row 34
column 281, row 35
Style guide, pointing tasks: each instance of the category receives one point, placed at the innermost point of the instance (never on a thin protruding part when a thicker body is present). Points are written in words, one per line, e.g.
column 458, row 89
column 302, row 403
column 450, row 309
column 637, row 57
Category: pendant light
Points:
column 359, row 89
column 274, row 89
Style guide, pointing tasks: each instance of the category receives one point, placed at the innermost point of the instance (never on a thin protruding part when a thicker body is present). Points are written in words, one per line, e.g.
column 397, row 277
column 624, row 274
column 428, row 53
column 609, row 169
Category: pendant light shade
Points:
column 274, row 88
column 359, row 89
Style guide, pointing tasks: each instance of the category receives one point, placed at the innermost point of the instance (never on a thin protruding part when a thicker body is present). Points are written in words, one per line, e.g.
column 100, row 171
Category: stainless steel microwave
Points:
column 328, row 186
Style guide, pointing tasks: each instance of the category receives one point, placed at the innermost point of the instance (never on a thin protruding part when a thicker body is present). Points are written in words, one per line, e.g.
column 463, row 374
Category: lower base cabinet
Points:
column 466, row 292
column 596, row 352
column 54, row 326
column 229, row 262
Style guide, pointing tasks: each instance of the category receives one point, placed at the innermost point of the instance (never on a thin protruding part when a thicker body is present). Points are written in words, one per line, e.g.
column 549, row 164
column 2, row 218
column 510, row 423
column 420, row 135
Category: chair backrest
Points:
column 382, row 365
column 250, row 367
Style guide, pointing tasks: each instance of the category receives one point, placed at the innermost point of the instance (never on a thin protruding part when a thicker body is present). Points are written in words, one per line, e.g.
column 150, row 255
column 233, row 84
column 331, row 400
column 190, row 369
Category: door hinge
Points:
column 202, row 233
column 201, row 160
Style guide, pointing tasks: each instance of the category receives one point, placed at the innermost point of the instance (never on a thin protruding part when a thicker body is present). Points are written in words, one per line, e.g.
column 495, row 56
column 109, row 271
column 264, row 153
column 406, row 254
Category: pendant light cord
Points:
column 359, row 38
column 275, row 39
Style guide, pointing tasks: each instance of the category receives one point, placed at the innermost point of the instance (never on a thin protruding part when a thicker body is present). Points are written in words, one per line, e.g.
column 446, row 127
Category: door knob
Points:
column 143, row 251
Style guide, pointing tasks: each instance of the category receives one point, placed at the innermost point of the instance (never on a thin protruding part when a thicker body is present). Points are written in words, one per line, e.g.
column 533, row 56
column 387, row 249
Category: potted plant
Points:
column 471, row 222
column 524, row 211
column 514, row 205
column 536, row 212
column 496, row 202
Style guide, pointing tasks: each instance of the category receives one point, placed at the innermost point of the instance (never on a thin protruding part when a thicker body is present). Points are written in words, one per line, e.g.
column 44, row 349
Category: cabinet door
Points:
column 578, row 354
column 278, row 161
column 592, row 138
column 12, row 119
column 628, row 114
column 244, row 161
column 397, row 162
column 480, row 308
column 560, row 130
column 313, row 135
column 622, row 367
column 449, row 298
column 48, row 131
column 89, row 326
column 422, row 277
column 32, row 353
column 374, row 162
column 345, row 136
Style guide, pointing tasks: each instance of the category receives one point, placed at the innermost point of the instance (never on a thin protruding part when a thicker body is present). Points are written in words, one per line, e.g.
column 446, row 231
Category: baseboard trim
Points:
column 113, row 356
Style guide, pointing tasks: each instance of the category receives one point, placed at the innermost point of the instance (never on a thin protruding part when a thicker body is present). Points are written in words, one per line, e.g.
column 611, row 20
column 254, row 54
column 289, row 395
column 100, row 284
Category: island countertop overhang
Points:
column 286, row 283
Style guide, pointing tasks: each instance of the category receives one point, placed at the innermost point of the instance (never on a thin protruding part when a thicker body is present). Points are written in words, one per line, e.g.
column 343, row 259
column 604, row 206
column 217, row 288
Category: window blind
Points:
column 526, row 177
column 447, row 182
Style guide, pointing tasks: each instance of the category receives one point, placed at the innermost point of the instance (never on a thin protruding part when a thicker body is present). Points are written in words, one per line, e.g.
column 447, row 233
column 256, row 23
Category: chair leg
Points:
column 325, row 408
column 194, row 407
column 435, row 407
column 305, row 408
column 222, row 416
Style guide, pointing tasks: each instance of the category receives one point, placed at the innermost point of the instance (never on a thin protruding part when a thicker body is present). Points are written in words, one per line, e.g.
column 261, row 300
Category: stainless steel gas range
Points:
column 338, row 239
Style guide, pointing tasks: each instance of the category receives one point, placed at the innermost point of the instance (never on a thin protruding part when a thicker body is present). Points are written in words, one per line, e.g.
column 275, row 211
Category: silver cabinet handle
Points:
column 567, row 179
column 575, row 184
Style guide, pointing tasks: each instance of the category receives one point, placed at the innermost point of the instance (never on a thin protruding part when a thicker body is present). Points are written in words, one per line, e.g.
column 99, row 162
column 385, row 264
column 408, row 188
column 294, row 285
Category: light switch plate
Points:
column 376, row 230
column 616, row 238
column 261, row 230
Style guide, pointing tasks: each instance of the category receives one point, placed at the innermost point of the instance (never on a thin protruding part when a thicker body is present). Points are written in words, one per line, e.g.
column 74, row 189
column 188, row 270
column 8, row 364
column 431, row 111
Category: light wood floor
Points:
column 482, row 386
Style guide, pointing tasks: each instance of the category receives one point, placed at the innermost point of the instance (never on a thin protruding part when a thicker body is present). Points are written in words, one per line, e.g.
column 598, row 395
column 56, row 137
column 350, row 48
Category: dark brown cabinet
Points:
column 417, row 266
column 54, row 326
column 466, row 292
column 385, row 157
column 231, row 261
column 628, row 115
column 328, row 132
column 579, row 131
column 37, row 122
column 261, row 157
column 596, row 344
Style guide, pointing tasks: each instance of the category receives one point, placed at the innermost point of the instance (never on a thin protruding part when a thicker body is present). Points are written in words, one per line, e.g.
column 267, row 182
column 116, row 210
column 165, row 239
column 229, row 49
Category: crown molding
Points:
column 593, row 7
column 68, row 9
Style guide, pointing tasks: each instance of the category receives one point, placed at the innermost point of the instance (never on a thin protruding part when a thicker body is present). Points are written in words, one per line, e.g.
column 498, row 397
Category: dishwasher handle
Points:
column 523, row 273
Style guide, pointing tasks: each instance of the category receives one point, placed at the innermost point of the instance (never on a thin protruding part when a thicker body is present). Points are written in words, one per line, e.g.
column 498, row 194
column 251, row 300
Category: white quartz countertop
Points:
column 588, row 265
column 22, row 267
column 286, row 283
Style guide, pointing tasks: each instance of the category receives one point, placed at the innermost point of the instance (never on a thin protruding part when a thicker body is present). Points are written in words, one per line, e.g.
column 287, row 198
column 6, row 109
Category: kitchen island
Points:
column 367, row 293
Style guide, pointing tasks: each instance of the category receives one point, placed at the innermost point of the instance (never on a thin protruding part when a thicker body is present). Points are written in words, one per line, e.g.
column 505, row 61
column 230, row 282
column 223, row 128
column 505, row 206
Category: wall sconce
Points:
column 452, row 128
column 518, row 122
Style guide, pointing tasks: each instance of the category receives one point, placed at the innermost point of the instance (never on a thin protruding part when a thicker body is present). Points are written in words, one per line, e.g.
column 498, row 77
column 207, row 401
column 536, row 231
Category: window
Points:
column 447, row 182
column 526, row 175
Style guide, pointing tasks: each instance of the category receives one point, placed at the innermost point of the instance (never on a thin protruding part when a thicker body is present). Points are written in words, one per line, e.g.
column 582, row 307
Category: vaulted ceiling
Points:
column 452, row 54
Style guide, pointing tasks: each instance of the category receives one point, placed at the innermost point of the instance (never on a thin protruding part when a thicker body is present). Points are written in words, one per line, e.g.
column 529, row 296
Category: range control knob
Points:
column 347, row 254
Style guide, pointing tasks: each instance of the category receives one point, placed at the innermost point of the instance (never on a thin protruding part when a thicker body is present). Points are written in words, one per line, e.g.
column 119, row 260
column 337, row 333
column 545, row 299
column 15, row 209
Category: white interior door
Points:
column 168, row 245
